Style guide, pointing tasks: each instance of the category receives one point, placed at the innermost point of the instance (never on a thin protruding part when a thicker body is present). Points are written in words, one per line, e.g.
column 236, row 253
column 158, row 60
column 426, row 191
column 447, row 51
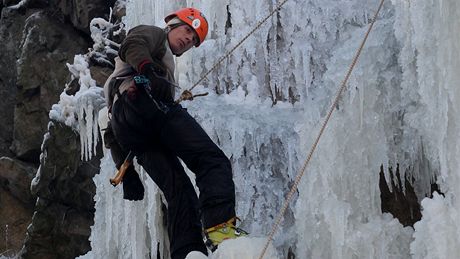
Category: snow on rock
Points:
column 103, row 46
column 80, row 111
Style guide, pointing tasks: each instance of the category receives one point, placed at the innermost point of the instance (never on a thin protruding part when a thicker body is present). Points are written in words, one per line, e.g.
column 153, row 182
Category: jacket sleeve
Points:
column 143, row 43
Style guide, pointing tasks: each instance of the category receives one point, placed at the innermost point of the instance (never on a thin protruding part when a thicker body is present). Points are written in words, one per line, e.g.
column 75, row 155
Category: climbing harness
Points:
column 186, row 93
column 313, row 148
column 143, row 82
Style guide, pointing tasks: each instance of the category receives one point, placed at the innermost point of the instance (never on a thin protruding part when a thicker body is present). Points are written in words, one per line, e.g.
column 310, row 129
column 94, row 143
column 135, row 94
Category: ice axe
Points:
column 121, row 172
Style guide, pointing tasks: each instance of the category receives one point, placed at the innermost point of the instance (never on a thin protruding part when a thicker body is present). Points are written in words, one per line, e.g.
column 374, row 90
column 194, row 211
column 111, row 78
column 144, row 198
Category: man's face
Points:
column 181, row 39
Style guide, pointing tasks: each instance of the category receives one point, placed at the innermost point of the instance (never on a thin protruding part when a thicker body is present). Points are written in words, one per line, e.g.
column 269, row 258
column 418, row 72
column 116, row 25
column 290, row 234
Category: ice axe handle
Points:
column 121, row 172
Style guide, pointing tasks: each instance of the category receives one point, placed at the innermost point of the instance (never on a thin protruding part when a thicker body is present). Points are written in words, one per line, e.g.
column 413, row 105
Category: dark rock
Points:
column 58, row 232
column 37, row 39
column 10, row 2
column 80, row 12
column 46, row 47
column 38, row 3
column 15, row 177
column 119, row 10
column 73, row 87
column 100, row 74
column 11, row 24
column 403, row 205
column 26, row 4
column 16, row 203
column 65, row 208
column 15, row 216
column 62, row 176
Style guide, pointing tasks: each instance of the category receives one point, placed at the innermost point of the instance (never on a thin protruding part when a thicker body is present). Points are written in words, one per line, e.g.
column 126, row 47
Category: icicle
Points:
column 398, row 72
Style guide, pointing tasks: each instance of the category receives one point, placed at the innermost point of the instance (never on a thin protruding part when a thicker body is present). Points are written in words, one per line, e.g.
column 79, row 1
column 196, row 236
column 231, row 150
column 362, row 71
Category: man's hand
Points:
column 133, row 189
column 161, row 88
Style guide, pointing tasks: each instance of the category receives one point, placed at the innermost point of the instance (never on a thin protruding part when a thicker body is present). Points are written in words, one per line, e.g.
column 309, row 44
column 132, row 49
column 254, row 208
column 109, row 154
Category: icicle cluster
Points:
column 80, row 111
column 267, row 100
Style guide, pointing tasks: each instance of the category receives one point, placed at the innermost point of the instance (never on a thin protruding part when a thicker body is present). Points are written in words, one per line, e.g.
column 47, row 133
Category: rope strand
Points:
column 315, row 144
column 221, row 59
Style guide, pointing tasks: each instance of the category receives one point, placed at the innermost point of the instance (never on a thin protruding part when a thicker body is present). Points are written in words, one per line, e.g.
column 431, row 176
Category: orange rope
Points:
column 220, row 60
column 315, row 144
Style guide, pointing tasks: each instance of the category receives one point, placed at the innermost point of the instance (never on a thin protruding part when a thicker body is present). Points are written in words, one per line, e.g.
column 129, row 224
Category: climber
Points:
column 146, row 121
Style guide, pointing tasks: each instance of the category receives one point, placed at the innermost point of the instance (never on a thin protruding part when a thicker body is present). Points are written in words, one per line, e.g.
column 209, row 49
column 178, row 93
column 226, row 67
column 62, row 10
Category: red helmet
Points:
column 195, row 19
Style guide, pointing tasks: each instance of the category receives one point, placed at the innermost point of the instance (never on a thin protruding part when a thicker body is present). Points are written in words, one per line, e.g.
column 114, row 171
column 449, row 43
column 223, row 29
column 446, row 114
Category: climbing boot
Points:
column 227, row 230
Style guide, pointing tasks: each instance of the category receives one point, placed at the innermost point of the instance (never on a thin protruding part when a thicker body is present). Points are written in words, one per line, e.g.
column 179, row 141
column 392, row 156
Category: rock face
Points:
column 37, row 39
column 11, row 23
column 42, row 73
column 16, row 201
column 80, row 12
column 15, row 177
column 64, row 210
column 401, row 200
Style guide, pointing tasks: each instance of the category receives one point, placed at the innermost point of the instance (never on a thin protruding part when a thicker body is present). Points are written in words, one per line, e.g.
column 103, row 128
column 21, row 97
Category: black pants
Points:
column 158, row 138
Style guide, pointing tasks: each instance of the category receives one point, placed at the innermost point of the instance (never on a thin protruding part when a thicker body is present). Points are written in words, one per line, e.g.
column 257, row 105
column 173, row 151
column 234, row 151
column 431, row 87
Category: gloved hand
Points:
column 132, row 92
column 161, row 88
column 133, row 189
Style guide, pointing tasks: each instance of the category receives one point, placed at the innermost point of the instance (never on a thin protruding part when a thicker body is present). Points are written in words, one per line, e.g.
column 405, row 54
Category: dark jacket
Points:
column 143, row 44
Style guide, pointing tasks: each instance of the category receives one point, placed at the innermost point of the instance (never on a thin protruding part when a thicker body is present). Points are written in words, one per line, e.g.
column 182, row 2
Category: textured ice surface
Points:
column 265, row 107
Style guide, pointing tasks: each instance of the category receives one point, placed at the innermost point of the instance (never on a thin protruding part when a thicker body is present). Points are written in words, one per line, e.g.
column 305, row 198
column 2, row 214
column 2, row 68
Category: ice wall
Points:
column 430, row 60
column 265, row 106
column 125, row 229
column 288, row 73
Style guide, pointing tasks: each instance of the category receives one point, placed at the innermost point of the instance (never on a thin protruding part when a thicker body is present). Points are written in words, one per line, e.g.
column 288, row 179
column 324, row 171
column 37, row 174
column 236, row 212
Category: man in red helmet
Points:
column 147, row 122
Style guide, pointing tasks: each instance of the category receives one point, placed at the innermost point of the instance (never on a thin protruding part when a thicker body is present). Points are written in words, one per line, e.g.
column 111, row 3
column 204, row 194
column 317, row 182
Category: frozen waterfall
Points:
column 266, row 103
